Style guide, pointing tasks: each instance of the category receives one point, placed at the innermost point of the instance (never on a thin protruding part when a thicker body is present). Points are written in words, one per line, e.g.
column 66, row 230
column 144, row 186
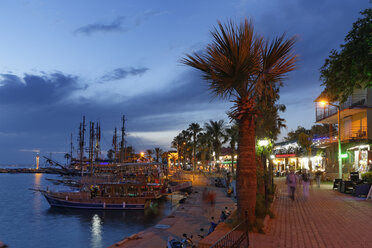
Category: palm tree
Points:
column 217, row 132
column 232, row 134
column 149, row 153
column 247, row 69
column 158, row 151
column 194, row 129
column 204, row 147
column 177, row 143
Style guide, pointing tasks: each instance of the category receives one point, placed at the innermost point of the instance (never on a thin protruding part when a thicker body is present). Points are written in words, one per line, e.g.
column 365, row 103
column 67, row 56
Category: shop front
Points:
column 360, row 157
column 285, row 162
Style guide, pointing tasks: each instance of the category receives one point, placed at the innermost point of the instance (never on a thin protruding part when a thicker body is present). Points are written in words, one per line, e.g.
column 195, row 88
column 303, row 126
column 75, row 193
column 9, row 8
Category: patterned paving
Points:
column 327, row 219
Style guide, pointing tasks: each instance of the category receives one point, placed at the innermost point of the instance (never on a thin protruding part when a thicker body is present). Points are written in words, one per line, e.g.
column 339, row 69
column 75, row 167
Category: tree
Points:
column 194, row 129
column 351, row 67
column 269, row 124
column 247, row 69
column 149, row 153
column 305, row 142
column 186, row 145
column 294, row 135
column 232, row 135
column 216, row 129
column 178, row 143
column 204, row 147
column 158, row 151
column 314, row 131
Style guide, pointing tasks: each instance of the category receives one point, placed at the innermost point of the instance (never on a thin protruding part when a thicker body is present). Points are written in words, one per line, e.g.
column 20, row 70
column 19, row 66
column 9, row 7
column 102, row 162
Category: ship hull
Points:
column 54, row 202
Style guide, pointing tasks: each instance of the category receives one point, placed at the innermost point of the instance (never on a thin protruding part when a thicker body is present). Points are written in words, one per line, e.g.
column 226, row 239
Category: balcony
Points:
column 354, row 134
column 348, row 135
column 328, row 114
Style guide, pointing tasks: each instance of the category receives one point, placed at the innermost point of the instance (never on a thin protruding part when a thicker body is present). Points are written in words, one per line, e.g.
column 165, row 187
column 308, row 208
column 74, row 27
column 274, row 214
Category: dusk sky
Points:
column 60, row 60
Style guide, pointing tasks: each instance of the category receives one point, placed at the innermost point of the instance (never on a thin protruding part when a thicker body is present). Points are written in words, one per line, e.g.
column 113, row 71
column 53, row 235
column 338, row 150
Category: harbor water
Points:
column 27, row 220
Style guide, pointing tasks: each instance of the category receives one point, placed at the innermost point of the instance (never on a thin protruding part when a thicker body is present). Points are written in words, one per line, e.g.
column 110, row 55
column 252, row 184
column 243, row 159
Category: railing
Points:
column 236, row 238
column 356, row 133
column 353, row 101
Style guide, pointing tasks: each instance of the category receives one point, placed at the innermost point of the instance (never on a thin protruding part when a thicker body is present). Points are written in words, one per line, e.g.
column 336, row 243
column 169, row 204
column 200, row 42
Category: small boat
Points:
column 106, row 196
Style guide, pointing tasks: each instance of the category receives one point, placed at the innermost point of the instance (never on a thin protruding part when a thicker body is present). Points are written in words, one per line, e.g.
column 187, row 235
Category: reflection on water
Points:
column 96, row 232
column 28, row 213
column 37, row 196
column 37, row 180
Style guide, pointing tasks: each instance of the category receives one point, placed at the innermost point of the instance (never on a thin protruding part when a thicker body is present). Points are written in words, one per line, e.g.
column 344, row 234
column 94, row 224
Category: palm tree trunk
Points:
column 232, row 165
column 193, row 154
column 246, row 169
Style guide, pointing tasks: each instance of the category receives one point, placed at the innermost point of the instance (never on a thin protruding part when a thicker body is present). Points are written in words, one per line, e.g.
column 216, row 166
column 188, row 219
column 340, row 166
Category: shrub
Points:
column 367, row 176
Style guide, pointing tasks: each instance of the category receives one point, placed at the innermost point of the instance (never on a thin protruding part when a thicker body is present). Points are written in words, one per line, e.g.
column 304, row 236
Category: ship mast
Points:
column 98, row 140
column 122, row 143
column 91, row 146
column 71, row 148
column 114, row 143
column 81, row 143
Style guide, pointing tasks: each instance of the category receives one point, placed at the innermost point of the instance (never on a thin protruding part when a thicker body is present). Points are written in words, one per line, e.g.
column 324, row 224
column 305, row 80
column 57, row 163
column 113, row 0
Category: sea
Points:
column 27, row 220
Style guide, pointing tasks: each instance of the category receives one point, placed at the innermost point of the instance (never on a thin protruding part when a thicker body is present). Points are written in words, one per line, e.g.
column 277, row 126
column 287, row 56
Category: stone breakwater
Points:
column 25, row 170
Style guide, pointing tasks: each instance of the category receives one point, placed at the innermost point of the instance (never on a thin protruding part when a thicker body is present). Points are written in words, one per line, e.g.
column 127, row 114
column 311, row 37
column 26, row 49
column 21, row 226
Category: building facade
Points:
column 355, row 126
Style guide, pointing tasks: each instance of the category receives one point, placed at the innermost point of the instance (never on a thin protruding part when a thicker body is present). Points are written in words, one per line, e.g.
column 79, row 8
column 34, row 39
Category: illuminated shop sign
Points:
column 285, row 155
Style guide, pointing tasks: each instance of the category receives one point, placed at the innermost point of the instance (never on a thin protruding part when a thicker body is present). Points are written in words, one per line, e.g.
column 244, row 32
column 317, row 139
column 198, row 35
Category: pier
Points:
column 30, row 170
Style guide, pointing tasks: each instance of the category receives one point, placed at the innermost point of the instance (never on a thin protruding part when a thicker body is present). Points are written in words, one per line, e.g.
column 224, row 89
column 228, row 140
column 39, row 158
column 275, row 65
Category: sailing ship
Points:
column 104, row 196
column 114, row 184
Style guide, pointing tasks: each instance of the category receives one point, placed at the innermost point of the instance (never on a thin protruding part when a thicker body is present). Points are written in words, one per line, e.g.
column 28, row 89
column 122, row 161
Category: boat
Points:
column 121, row 196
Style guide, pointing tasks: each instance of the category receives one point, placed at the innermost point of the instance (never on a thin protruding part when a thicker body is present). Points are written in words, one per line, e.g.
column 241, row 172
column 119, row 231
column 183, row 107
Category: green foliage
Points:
column 367, row 176
column 351, row 67
column 268, row 122
column 315, row 130
column 294, row 135
column 304, row 141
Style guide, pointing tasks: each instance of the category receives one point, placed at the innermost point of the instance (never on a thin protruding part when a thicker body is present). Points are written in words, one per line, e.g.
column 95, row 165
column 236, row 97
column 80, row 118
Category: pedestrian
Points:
column 318, row 175
column 212, row 226
column 305, row 184
column 223, row 217
column 291, row 181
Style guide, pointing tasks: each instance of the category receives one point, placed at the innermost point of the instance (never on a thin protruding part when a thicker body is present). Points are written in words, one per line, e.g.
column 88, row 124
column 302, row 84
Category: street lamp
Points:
column 324, row 103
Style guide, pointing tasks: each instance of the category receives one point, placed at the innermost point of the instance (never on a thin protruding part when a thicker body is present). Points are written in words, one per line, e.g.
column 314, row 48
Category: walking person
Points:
column 318, row 175
column 306, row 184
column 292, row 184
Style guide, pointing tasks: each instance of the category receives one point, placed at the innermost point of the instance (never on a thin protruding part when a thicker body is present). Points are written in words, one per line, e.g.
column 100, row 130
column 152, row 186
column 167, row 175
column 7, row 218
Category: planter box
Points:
column 362, row 189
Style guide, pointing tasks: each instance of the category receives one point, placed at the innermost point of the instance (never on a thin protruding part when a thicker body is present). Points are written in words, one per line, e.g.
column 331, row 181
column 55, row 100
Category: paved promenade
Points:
column 188, row 218
column 327, row 219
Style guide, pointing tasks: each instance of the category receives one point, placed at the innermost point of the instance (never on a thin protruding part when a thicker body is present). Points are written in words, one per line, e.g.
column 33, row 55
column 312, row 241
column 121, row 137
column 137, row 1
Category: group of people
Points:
column 224, row 215
column 304, row 178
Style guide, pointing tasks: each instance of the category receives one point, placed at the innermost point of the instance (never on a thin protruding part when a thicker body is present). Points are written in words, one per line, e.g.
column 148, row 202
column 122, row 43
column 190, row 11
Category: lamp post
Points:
column 324, row 103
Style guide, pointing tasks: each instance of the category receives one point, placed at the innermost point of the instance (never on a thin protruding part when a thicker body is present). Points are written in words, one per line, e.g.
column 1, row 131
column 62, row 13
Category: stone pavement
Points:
column 327, row 219
column 188, row 218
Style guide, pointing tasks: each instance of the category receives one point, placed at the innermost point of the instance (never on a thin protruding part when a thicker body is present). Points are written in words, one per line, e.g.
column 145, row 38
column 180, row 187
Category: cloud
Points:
column 147, row 14
column 121, row 73
column 115, row 26
column 34, row 90
column 29, row 150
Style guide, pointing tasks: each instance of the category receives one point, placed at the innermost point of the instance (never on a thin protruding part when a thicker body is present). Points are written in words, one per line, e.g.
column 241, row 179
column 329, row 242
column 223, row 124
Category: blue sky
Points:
column 60, row 60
